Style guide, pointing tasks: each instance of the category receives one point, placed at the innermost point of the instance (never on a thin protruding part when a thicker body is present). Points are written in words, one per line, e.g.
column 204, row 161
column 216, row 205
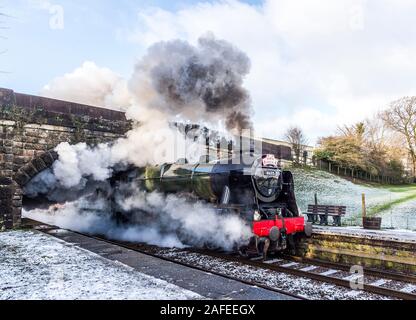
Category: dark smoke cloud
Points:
column 194, row 82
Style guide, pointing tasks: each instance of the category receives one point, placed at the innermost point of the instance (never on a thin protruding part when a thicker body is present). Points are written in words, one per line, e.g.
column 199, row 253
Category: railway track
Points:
column 327, row 274
column 388, row 284
column 410, row 278
column 375, row 282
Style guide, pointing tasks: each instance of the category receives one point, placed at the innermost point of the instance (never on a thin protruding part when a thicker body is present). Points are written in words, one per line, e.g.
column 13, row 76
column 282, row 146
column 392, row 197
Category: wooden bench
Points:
column 323, row 212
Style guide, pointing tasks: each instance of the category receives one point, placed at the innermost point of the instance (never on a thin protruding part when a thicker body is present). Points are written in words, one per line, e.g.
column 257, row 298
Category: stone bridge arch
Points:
column 30, row 170
column 30, row 129
column 11, row 189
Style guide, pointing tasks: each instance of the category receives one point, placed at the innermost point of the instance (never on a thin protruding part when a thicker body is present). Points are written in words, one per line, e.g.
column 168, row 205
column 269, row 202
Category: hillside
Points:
column 397, row 205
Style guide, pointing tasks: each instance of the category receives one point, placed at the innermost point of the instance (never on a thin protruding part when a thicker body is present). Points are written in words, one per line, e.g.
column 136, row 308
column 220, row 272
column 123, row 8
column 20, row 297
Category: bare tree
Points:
column 298, row 141
column 401, row 117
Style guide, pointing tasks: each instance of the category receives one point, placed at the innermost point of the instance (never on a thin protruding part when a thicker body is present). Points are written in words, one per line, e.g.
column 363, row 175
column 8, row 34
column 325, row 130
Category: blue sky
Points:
column 317, row 64
column 36, row 53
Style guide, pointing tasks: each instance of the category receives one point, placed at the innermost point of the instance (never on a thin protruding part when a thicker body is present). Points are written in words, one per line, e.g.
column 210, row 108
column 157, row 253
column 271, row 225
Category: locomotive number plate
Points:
column 269, row 173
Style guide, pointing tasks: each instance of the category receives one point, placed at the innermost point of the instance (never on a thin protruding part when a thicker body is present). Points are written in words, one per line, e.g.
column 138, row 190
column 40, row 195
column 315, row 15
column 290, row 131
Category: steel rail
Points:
column 345, row 267
column 315, row 276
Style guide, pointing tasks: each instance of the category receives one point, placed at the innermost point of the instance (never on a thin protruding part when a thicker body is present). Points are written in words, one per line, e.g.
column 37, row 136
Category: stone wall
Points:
column 391, row 255
column 30, row 128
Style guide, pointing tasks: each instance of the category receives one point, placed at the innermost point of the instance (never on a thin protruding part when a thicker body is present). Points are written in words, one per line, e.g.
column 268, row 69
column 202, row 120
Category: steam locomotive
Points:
column 260, row 192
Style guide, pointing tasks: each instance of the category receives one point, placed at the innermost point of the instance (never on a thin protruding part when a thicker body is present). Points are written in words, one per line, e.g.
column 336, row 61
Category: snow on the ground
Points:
column 389, row 235
column 400, row 216
column 35, row 266
column 335, row 190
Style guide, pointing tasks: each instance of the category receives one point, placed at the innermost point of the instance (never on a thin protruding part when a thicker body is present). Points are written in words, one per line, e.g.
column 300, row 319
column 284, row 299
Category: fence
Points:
column 357, row 174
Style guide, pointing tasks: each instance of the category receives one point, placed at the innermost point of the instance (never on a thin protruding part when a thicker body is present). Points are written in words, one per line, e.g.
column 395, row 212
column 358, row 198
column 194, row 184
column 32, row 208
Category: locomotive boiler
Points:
column 260, row 192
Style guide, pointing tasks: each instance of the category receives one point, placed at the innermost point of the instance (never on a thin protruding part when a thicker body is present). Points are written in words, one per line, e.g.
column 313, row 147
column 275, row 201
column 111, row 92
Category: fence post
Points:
column 364, row 206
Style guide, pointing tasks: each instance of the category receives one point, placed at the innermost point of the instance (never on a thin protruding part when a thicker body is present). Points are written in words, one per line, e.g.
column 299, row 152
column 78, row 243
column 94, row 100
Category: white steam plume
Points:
column 93, row 217
column 167, row 221
column 92, row 85
column 151, row 143
column 174, row 82
column 196, row 222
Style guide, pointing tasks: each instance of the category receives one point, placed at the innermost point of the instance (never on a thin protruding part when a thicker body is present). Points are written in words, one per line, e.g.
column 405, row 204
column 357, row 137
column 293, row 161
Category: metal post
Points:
column 316, row 199
column 364, row 206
